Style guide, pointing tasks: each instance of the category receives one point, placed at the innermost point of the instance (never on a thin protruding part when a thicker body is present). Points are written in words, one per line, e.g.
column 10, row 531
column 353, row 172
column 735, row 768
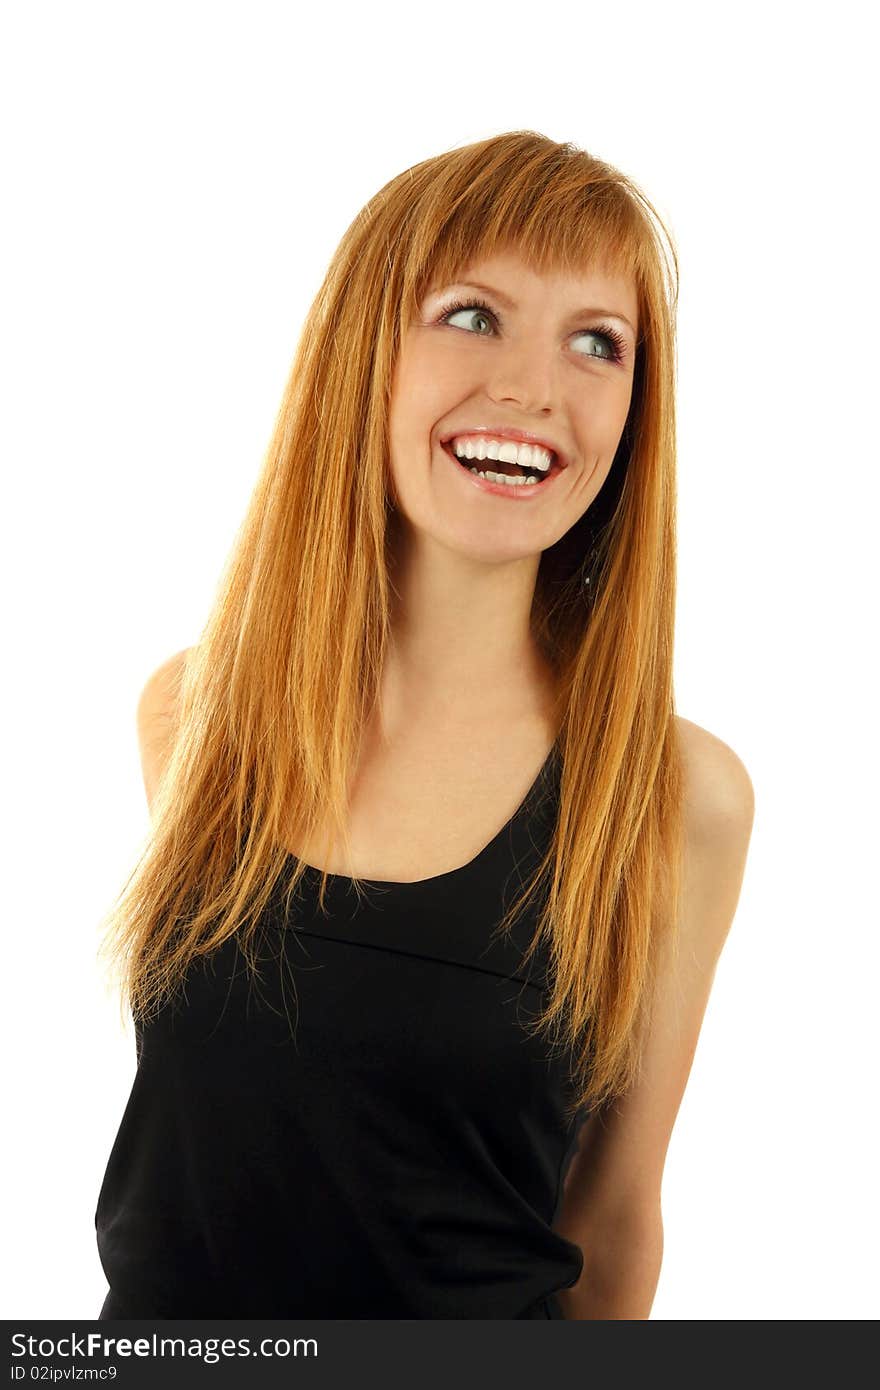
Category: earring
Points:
column 588, row 575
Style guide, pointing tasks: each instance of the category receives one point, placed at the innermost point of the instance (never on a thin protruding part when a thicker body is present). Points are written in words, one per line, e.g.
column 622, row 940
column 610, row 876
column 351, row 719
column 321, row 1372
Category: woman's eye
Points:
column 606, row 346
column 467, row 313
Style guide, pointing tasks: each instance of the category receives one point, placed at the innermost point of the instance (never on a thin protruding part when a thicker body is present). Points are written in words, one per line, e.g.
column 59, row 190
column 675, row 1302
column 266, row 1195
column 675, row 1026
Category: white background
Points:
column 176, row 178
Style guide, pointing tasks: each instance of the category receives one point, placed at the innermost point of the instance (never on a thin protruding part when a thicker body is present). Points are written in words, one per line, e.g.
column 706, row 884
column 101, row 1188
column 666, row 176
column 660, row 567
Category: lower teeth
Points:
column 504, row 478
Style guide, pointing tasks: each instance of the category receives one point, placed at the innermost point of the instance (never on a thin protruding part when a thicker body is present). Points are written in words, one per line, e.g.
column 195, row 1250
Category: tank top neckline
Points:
column 345, row 882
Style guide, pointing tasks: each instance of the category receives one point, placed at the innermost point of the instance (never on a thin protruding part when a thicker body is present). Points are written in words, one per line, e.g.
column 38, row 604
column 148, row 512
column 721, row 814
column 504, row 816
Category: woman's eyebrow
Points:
column 511, row 304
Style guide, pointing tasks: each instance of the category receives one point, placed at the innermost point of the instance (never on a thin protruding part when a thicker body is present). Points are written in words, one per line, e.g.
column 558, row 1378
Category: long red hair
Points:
column 277, row 690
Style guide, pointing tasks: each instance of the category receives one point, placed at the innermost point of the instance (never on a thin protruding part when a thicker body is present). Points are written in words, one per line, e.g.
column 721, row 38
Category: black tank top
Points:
column 365, row 1131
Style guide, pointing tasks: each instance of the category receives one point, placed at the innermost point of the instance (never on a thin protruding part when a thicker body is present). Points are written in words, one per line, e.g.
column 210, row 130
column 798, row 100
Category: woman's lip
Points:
column 514, row 435
column 516, row 492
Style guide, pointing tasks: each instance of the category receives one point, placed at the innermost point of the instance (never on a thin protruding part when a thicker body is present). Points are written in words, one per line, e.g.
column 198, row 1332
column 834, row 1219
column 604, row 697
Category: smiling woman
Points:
column 424, row 760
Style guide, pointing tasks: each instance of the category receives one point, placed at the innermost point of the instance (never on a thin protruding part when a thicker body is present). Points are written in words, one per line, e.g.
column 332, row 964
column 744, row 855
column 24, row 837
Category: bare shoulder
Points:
column 719, row 793
column 160, row 692
column 155, row 718
column 719, row 814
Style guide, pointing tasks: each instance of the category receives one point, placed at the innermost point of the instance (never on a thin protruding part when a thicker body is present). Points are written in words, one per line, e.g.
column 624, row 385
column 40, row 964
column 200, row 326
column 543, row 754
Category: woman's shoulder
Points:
column 719, row 794
column 156, row 710
column 162, row 686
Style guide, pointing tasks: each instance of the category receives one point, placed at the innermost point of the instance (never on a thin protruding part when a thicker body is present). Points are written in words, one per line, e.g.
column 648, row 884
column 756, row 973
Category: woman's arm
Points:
column 611, row 1202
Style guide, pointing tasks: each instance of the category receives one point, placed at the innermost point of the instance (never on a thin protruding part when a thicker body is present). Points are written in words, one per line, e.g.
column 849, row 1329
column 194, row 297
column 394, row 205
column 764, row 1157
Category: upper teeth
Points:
column 528, row 455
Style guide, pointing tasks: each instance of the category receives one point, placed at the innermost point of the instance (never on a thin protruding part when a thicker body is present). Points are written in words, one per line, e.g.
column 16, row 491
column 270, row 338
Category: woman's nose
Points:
column 524, row 373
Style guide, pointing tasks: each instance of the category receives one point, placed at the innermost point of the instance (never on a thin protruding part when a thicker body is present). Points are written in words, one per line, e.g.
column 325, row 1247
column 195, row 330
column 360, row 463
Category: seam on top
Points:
column 413, row 955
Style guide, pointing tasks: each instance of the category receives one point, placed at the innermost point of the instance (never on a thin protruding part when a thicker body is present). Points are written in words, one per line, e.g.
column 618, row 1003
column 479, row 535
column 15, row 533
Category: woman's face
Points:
column 552, row 355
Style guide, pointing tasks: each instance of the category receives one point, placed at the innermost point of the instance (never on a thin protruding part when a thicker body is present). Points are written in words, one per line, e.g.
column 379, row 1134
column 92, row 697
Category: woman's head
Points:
column 557, row 231
column 504, row 348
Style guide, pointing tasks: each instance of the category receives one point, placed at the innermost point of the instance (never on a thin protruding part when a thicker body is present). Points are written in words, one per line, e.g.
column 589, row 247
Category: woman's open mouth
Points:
column 511, row 480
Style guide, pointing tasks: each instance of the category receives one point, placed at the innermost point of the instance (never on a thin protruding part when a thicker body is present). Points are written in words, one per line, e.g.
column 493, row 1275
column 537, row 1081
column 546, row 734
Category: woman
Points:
column 425, row 758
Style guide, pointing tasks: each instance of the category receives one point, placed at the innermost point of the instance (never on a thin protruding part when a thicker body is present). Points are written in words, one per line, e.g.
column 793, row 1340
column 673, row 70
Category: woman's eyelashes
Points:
column 614, row 341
